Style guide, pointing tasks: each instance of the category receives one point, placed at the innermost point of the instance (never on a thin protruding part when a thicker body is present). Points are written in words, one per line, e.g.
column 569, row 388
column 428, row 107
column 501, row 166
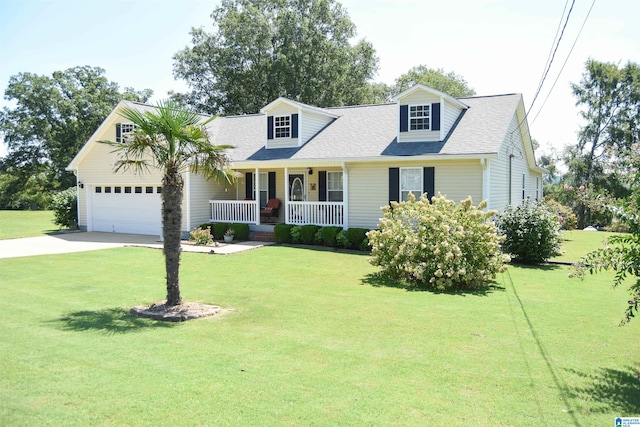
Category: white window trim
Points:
column 409, row 117
column 126, row 128
column 275, row 127
column 419, row 191
column 341, row 191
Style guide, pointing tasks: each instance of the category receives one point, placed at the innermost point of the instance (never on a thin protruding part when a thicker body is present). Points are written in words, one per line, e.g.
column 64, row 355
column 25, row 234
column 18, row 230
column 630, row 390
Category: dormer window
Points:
column 282, row 126
column 419, row 116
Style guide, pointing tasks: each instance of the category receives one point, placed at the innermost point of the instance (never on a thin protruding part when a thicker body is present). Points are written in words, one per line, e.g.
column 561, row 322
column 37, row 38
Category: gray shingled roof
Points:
column 370, row 131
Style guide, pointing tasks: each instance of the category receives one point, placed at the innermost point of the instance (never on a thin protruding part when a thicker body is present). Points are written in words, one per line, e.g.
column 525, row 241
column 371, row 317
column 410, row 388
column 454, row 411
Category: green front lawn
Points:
column 14, row 224
column 313, row 339
column 578, row 243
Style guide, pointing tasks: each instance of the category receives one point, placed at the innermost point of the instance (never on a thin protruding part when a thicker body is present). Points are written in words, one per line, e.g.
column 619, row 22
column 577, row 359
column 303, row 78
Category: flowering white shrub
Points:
column 441, row 245
column 532, row 232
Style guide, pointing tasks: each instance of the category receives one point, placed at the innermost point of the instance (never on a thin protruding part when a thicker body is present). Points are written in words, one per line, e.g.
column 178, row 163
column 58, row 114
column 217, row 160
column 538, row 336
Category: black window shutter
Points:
column 248, row 185
column 294, row 126
column 118, row 132
column 322, row 186
column 394, row 185
column 428, row 182
column 404, row 118
column 269, row 127
column 435, row 117
column 271, row 194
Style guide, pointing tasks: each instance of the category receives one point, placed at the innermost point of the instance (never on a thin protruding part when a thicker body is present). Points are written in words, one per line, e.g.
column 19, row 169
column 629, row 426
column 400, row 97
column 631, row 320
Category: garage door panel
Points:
column 137, row 213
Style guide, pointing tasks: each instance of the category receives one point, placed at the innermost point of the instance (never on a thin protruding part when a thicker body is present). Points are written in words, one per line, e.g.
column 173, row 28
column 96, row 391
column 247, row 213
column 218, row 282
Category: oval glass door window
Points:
column 297, row 190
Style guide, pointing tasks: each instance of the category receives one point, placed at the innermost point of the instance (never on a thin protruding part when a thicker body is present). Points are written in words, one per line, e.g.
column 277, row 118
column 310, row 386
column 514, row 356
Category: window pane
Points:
column 138, row 190
column 127, row 190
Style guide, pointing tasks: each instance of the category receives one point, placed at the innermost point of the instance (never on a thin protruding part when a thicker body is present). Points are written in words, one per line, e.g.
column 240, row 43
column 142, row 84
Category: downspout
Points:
column 345, row 196
column 511, row 156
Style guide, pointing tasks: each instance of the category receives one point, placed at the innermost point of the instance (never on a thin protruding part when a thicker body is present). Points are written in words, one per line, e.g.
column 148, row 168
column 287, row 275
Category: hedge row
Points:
column 352, row 238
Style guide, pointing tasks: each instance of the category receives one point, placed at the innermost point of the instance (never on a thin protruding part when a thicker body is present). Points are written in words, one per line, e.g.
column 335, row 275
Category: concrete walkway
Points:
column 91, row 241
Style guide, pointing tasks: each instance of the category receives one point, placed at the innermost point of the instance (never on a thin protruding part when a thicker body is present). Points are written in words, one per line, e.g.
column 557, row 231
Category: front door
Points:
column 296, row 187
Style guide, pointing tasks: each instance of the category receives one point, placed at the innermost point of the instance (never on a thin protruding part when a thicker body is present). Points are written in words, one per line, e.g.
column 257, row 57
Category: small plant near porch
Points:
column 440, row 245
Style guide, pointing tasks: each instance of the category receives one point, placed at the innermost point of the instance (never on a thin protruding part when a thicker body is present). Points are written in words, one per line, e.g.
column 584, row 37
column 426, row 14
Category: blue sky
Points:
column 498, row 46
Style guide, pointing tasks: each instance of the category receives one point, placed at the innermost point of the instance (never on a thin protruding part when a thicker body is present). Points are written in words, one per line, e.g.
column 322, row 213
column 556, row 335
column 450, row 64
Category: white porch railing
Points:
column 317, row 213
column 241, row 211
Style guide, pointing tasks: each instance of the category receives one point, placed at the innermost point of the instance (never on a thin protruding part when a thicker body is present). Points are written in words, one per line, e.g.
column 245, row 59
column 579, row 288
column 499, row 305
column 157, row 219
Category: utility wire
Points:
column 555, row 38
column 565, row 61
column 553, row 56
column 548, row 67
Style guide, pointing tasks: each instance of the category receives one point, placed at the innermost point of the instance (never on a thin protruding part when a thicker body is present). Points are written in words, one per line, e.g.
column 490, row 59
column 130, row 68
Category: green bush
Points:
column 201, row 236
column 327, row 236
column 65, row 208
column 241, row 231
column 308, row 234
column 342, row 240
column 218, row 230
column 568, row 220
column 283, row 233
column 532, row 232
column 440, row 245
column 356, row 237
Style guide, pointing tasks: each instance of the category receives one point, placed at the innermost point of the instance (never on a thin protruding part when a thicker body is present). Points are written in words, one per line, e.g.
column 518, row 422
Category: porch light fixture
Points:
column 310, row 171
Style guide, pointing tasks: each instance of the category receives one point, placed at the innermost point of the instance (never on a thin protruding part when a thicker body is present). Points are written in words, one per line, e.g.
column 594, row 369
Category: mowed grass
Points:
column 312, row 338
column 578, row 243
column 15, row 224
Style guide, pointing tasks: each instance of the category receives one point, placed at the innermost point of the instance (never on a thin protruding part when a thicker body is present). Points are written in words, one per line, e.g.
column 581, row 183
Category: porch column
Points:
column 286, row 195
column 486, row 181
column 256, row 195
column 345, row 196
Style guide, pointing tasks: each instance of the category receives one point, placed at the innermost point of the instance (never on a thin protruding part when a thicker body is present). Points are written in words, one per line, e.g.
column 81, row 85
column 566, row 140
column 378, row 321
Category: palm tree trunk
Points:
column 171, row 223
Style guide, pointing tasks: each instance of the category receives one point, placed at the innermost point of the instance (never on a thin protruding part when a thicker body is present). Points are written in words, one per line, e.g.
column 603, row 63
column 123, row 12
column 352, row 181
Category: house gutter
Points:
column 340, row 162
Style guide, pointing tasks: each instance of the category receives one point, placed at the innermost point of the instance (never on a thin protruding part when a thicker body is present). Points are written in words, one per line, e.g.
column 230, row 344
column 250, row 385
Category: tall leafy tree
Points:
column 447, row 82
column 260, row 50
column 52, row 118
column 609, row 95
column 175, row 140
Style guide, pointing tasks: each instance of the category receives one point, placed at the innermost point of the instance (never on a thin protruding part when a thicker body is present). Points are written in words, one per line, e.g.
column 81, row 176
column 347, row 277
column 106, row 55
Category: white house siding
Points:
column 455, row 179
column 97, row 168
column 200, row 192
column 448, row 115
column 513, row 145
column 311, row 124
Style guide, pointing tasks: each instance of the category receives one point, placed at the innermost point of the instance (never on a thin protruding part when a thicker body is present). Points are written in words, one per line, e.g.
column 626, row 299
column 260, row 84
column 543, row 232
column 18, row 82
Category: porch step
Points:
column 264, row 236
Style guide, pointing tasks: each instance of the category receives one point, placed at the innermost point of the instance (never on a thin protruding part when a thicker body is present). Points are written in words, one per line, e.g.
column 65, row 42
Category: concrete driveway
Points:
column 91, row 241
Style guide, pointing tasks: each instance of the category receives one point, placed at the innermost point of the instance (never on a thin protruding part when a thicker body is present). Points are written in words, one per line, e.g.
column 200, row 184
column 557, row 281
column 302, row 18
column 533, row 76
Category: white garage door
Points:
column 131, row 209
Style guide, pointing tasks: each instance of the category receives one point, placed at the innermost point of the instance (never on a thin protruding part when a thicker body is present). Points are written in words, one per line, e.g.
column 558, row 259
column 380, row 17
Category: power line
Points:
column 553, row 56
column 548, row 67
column 565, row 61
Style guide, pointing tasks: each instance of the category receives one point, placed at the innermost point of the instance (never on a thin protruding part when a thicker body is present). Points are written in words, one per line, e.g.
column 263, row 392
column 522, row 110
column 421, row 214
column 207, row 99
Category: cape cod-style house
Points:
column 326, row 166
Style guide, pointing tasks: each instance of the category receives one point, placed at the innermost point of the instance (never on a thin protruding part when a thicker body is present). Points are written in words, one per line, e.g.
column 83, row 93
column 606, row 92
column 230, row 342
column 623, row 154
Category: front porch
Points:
column 291, row 212
column 308, row 194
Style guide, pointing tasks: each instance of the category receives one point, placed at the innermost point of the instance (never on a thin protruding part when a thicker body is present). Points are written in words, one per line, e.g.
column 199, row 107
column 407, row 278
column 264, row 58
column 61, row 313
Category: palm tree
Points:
column 174, row 140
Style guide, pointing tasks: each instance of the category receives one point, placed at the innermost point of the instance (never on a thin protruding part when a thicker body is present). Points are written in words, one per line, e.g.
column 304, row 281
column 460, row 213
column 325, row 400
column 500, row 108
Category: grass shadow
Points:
column 378, row 280
column 551, row 265
column 110, row 321
column 610, row 390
